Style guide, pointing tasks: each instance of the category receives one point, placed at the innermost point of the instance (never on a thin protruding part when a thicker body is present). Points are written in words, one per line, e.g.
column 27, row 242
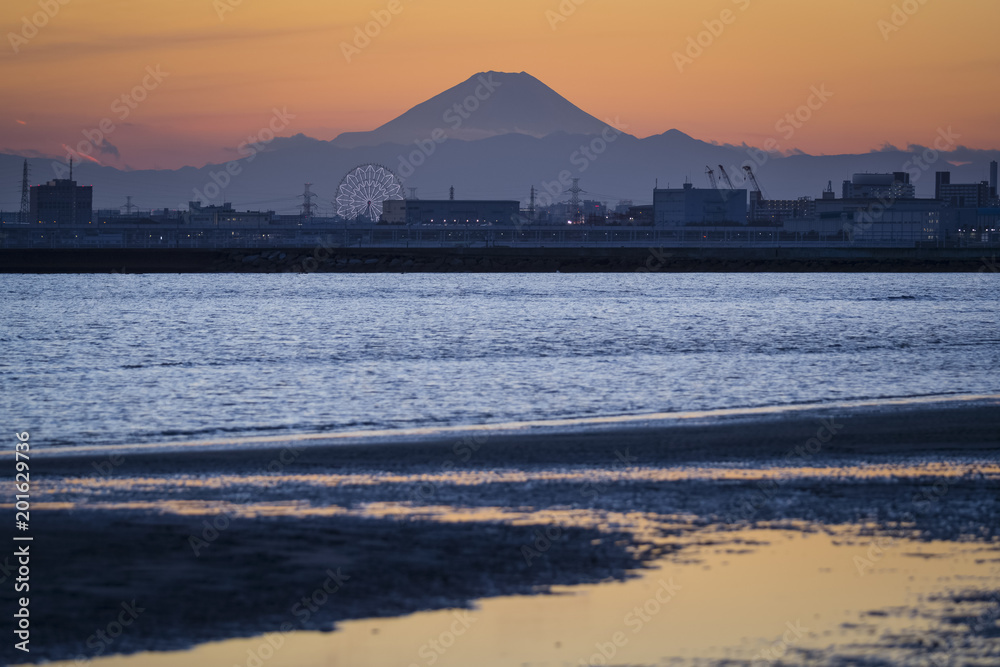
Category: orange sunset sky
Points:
column 230, row 62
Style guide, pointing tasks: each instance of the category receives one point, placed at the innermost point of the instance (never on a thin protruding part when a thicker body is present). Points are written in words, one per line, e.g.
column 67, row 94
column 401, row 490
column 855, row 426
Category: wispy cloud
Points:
column 103, row 44
column 108, row 148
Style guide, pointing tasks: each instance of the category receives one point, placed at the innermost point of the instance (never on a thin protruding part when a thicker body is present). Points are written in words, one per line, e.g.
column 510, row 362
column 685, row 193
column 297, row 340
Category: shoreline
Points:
column 219, row 543
column 883, row 427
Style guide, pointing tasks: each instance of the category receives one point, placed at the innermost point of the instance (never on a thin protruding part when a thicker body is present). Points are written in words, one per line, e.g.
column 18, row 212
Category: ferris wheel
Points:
column 362, row 191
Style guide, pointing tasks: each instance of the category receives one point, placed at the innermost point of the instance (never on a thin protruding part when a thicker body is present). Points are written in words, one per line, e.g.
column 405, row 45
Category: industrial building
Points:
column 226, row 216
column 880, row 186
column 639, row 215
column 985, row 229
column 883, row 212
column 776, row 211
column 61, row 202
column 450, row 212
column 876, row 220
column 679, row 207
column 961, row 195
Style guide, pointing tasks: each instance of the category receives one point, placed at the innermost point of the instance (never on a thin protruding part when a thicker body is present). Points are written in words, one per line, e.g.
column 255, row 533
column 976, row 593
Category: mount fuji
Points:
column 493, row 136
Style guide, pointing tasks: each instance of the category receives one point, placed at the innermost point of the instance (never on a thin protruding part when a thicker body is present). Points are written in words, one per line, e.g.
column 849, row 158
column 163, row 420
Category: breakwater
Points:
column 497, row 260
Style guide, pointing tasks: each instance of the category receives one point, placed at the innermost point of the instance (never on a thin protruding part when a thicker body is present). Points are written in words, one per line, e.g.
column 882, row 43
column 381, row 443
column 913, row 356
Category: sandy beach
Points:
column 217, row 542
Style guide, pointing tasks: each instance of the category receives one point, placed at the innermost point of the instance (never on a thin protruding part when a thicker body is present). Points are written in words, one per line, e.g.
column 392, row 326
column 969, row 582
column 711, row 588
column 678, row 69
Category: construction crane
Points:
column 725, row 177
column 711, row 178
column 753, row 179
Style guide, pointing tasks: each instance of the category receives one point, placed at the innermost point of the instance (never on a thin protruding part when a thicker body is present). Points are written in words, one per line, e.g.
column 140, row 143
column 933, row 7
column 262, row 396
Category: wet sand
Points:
column 216, row 542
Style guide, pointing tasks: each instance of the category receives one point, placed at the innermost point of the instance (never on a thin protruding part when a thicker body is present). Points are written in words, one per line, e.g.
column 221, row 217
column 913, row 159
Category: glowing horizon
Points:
column 726, row 71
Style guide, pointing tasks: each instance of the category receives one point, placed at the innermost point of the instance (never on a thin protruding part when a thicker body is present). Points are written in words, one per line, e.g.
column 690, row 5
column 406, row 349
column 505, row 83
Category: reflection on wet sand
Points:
column 882, row 544
column 749, row 597
column 96, row 487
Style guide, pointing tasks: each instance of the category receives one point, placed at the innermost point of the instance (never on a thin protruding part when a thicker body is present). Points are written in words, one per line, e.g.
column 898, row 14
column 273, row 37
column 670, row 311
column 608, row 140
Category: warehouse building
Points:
column 680, row 207
column 450, row 212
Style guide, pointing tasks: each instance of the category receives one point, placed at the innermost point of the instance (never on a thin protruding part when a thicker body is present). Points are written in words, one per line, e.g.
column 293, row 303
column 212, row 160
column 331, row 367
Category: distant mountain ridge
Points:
column 515, row 134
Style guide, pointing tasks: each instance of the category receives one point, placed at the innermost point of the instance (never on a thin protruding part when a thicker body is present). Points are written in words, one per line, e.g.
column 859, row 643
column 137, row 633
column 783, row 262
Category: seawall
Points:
column 497, row 260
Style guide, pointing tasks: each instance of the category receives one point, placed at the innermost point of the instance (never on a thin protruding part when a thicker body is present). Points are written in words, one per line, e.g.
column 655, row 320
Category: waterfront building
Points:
column 679, row 207
column 880, row 186
column 61, row 202
column 961, row 195
column 226, row 216
column 450, row 212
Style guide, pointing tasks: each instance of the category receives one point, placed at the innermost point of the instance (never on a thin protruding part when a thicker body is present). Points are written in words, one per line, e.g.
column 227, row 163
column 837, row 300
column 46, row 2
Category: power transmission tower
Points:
column 25, row 196
column 128, row 206
column 574, row 203
column 307, row 205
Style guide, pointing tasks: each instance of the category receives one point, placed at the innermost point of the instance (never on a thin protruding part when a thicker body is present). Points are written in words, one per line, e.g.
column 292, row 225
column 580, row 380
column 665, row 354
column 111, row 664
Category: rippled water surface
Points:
column 132, row 359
